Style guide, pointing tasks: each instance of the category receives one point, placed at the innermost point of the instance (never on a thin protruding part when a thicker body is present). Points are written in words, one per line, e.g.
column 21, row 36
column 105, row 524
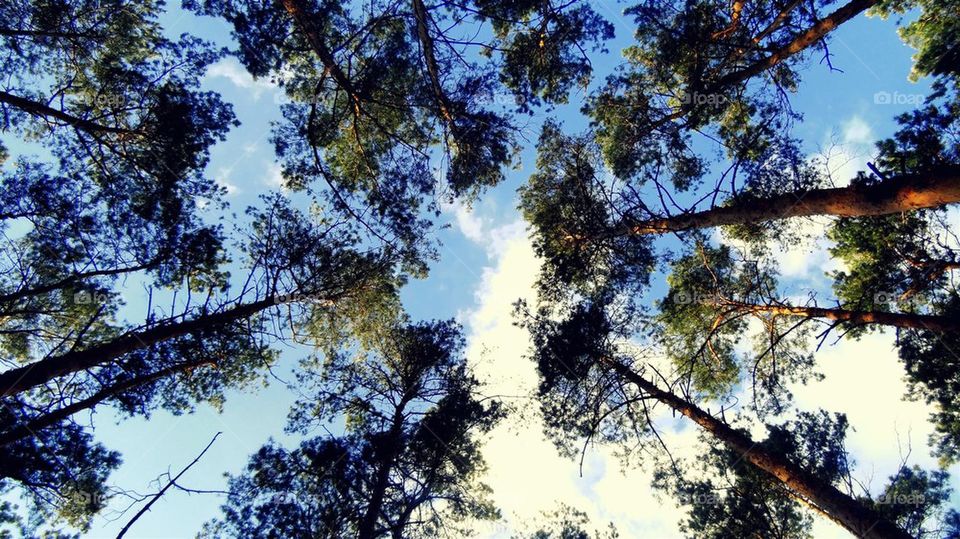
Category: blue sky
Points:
column 486, row 263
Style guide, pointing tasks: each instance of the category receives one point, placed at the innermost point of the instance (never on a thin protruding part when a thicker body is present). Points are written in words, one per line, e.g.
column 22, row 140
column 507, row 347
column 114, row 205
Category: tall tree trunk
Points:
column 943, row 324
column 841, row 508
column 814, row 34
column 429, row 58
column 390, row 449
column 33, row 426
column 35, row 374
column 305, row 22
column 899, row 194
column 43, row 111
column 800, row 43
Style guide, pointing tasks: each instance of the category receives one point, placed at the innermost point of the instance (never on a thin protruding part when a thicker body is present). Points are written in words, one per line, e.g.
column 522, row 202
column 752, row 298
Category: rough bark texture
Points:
column 30, row 428
column 814, row 34
column 35, row 374
column 903, row 193
column 43, row 111
column 841, row 508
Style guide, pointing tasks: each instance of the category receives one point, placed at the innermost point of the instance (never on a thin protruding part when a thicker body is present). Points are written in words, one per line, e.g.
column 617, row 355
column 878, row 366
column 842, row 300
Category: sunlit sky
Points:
column 486, row 263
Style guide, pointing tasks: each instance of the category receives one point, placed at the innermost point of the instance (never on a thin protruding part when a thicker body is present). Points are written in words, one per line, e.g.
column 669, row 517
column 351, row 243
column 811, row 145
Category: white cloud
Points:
column 230, row 69
column 468, row 222
column 525, row 471
column 848, row 152
column 222, row 178
column 274, row 176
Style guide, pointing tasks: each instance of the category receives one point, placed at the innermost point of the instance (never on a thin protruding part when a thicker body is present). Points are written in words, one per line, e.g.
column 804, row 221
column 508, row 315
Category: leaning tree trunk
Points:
column 943, row 324
column 895, row 195
column 31, row 427
column 38, row 373
column 813, row 35
column 839, row 507
column 41, row 110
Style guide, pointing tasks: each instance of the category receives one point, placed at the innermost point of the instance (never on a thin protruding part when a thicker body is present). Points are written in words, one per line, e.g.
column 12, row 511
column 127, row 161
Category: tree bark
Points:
column 841, row 508
column 814, row 34
column 429, row 58
column 35, row 374
column 895, row 195
column 943, row 324
column 31, row 427
column 304, row 21
column 43, row 111
column 368, row 524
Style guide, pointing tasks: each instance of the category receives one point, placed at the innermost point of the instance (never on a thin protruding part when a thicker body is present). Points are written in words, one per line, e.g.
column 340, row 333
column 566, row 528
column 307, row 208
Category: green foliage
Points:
column 568, row 204
column 933, row 376
column 915, row 499
column 933, row 35
column 567, row 522
column 410, row 444
column 727, row 497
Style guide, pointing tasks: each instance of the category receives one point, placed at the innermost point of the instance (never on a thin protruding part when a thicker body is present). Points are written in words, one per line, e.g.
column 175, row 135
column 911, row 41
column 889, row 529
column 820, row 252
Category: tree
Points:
column 567, row 522
column 407, row 463
column 305, row 277
column 380, row 93
column 587, row 390
column 689, row 69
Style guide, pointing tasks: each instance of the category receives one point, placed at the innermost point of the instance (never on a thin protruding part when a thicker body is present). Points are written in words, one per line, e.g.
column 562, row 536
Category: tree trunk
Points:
column 943, row 324
column 903, row 193
column 304, row 21
column 35, row 374
column 31, row 427
column 392, row 447
column 814, row 34
column 429, row 58
column 841, row 508
column 43, row 111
